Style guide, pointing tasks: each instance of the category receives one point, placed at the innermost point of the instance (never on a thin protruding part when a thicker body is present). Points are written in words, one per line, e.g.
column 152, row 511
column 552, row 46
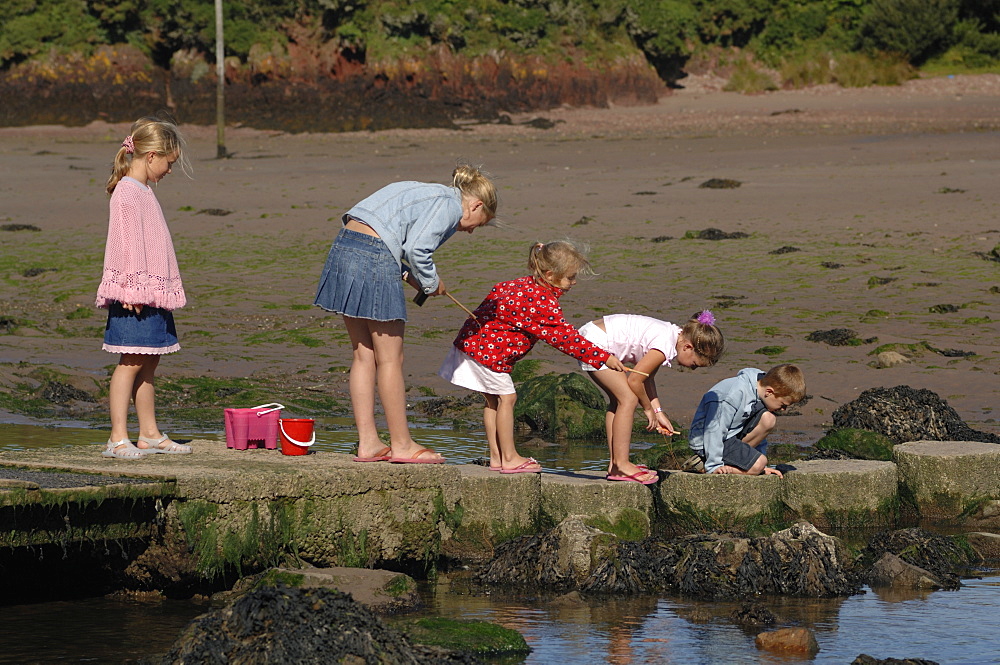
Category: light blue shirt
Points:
column 722, row 413
column 413, row 219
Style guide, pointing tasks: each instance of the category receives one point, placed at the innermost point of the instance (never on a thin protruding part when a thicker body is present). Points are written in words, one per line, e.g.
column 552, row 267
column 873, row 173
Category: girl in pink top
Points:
column 648, row 344
column 141, row 285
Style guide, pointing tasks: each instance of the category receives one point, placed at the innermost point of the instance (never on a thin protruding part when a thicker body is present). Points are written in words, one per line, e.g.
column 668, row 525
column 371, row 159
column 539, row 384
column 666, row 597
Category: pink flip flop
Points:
column 414, row 460
column 634, row 478
column 382, row 456
column 521, row 468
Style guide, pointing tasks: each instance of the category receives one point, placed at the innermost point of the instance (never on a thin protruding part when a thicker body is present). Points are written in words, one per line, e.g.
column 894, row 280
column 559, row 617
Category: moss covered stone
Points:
column 478, row 637
column 858, row 443
column 561, row 405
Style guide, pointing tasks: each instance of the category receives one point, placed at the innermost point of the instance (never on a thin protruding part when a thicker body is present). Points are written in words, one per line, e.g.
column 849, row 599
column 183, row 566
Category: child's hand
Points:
column 132, row 308
column 768, row 471
column 659, row 422
column 613, row 363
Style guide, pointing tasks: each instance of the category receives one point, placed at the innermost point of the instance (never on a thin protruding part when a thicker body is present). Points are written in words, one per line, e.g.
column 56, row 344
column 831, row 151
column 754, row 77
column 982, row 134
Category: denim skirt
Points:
column 361, row 279
column 151, row 331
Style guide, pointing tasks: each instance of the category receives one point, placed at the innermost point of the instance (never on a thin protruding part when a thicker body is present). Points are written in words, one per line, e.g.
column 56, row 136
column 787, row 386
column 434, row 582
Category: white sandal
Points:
column 173, row 449
column 128, row 452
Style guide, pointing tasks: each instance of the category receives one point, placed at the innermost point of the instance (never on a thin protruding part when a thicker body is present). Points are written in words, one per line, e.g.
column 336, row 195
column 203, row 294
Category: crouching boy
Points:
column 729, row 430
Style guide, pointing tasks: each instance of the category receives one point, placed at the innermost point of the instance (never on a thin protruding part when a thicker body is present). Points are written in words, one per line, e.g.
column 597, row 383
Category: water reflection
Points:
column 647, row 629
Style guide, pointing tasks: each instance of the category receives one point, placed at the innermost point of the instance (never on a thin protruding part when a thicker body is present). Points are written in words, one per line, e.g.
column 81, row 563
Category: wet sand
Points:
column 887, row 196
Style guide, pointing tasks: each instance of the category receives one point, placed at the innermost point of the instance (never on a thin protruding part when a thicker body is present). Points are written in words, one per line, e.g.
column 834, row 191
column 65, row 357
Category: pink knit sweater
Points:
column 140, row 267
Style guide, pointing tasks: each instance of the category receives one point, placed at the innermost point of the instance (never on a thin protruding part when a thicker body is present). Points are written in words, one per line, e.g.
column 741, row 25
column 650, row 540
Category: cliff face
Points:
column 318, row 92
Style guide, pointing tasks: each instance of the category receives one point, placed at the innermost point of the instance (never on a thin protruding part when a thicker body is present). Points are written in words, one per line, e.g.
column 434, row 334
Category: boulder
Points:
column 907, row 414
column 887, row 359
column 985, row 545
column 382, row 591
column 562, row 558
column 797, row 640
column 865, row 659
column 290, row 625
column 938, row 556
column 564, row 406
column 891, row 571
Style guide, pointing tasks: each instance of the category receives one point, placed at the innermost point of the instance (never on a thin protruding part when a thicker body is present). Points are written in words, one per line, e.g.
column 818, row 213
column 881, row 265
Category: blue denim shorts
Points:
column 151, row 331
column 361, row 279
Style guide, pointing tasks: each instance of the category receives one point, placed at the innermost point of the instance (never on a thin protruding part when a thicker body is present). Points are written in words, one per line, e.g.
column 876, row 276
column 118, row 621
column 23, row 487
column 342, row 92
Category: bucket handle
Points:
column 281, row 425
column 275, row 405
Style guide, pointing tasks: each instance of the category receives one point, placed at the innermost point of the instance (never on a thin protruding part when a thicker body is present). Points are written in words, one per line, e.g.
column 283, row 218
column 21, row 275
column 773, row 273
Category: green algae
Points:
column 466, row 636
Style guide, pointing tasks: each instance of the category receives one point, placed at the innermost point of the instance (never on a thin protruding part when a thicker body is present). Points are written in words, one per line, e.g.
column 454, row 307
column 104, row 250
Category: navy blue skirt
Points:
column 361, row 279
column 151, row 331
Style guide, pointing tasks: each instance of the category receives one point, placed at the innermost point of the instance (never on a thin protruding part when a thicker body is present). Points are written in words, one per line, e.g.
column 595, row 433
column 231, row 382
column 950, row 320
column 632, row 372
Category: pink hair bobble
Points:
column 128, row 145
column 706, row 317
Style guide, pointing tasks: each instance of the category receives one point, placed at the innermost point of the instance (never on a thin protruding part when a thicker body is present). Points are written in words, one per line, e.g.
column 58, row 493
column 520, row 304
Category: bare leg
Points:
column 509, row 457
column 362, row 386
column 120, row 393
column 615, row 385
column 763, row 428
column 490, row 425
column 144, row 396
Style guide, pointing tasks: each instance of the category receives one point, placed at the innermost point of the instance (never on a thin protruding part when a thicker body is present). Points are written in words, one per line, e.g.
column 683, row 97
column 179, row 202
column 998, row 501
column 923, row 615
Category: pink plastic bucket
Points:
column 256, row 427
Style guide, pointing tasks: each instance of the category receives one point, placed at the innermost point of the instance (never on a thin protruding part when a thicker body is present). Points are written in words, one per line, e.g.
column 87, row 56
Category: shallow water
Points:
column 953, row 627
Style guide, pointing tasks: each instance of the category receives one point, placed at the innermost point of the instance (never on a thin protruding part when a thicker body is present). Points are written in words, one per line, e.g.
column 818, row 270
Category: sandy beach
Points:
column 872, row 209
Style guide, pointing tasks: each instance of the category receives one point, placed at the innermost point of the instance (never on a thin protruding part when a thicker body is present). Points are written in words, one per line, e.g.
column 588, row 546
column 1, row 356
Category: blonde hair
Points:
column 472, row 182
column 706, row 339
column 561, row 257
column 155, row 135
column 786, row 381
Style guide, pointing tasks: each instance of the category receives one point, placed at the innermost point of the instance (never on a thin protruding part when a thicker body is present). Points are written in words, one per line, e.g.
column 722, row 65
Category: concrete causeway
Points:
column 330, row 511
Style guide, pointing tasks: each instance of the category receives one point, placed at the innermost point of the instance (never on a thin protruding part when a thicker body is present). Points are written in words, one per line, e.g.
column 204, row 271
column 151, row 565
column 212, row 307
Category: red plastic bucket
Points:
column 297, row 434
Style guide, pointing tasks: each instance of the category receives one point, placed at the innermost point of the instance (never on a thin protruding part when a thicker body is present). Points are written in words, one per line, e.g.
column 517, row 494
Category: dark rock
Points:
column 753, row 614
column 287, row 625
column 542, row 123
column 938, row 555
column 839, row 337
column 942, row 309
column 720, row 183
column 35, row 272
column 891, row 571
column 19, row 227
column 799, row 561
column 787, row 249
column 61, row 393
column 662, row 238
column 466, row 406
column 716, row 234
column 865, row 659
column 562, row 558
column 907, row 414
column 831, row 265
column 214, row 212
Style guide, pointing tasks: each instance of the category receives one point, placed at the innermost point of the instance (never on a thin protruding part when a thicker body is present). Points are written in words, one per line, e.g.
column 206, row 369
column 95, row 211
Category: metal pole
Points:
column 220, row 86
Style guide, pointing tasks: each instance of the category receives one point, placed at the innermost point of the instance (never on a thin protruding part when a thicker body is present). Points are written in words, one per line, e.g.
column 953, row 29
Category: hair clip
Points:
column 706, row 317
column 128, row 145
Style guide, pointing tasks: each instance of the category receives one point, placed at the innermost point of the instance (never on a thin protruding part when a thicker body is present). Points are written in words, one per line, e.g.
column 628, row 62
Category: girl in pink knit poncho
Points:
column 141, row 285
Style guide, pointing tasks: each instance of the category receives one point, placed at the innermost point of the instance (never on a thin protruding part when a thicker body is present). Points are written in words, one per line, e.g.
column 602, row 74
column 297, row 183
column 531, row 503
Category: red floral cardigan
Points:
column 514, row 316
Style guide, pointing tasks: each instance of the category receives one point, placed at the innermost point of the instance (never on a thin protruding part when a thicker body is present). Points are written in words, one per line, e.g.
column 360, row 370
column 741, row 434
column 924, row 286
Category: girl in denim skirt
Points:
column 404, row 221
column 141, row 284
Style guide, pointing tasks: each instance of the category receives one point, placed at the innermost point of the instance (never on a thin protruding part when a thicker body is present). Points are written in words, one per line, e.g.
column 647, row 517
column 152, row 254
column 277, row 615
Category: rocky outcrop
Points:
column 794, row 640
column 287, row 625
column 938, row 558
column 891, row 571
column 564, row 406
column 799, row 561
column 907, row 414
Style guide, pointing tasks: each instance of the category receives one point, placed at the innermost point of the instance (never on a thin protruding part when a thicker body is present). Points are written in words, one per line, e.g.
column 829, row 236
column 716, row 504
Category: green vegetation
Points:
column 858, row 443
column 852, row 42
column 466, row 636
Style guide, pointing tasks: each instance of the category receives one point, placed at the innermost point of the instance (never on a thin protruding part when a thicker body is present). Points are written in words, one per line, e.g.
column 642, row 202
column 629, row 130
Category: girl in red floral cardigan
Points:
column 514, row 316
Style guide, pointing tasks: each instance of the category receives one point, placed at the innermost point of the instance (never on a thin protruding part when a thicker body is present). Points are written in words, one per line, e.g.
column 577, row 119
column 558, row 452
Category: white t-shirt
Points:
column 632, row 336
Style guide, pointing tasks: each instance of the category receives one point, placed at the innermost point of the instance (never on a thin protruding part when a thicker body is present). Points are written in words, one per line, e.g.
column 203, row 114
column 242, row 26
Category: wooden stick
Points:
column 467, row 310
column 629, row 369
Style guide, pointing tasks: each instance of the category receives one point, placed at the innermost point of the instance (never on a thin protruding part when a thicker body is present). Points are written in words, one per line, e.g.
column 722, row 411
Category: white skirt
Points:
column 597, row 337
column 462, row 370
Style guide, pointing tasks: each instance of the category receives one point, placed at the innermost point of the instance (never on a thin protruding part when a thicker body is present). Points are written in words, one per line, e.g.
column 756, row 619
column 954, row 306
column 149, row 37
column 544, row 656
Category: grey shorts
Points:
column 739, row 454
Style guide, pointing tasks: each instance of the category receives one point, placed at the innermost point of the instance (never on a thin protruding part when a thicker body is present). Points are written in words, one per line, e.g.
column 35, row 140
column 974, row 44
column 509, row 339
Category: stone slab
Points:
column 842, row 493
column 949, row 479
column 718, row 501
